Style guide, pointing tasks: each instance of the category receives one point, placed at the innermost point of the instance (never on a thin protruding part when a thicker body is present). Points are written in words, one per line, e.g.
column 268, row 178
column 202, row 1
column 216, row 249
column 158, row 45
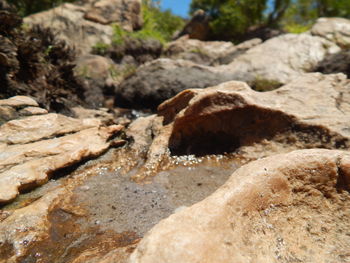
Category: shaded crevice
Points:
column 227, row 131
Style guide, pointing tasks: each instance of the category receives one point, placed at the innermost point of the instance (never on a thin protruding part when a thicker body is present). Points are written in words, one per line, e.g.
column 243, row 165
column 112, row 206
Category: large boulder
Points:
column 310, row 112
column 290, row 207
column 281, row 59
column 207, row 52
column 68, row 22
column 33, row 147
column 335, row 29
column 127, row 13
column 162, row 79
column 266, row 66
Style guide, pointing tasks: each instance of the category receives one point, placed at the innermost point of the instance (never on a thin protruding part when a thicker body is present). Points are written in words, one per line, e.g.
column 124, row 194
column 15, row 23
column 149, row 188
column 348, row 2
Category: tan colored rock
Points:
column 291, row 207
column 19, row 101
column 312, row 111
column 32, row 164
column 207, row 52
column 29, row 111
column 281, row 59
column 67, row 21
column 335, row 29
column 35, row 128
column 127, row 13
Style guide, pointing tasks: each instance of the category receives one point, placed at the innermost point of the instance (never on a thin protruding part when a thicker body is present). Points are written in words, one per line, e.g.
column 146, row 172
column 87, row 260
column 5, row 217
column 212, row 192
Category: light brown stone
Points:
column 35, row 128
column 32, row 164
column 19, row 101
column 67, row 21
column 335, row 29
column 127, row 13
column 291, row 207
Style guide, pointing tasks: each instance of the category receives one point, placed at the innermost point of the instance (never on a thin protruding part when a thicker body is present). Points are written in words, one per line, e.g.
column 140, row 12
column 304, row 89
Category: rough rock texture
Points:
column 67, row 21
column 207, row 52
column 281, row 59
column 162, row 79
column 127, row 13
column 296, row 209
column 265, row 67
column 335, row 29
column 233, row 118
column 18, row 106
column 335, row 63
column 232, row 115
column 32, row 148
column 101, row 75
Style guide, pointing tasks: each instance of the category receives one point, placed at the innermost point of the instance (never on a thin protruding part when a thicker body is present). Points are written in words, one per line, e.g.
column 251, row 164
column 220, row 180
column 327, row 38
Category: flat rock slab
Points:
column 35, row 147
column 288, row 208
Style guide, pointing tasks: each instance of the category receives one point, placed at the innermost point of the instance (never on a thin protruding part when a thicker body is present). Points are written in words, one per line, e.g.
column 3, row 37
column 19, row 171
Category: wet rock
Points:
column 35, row 147
column 292, row 207
column 126, row 13
column 281, row 59
column 207, row 52
column 161, row 79
column 67, row 21
column 335, row 29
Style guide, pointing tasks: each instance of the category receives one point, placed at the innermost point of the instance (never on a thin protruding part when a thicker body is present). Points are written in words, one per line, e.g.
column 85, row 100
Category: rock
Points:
column 101, row 75
column 232, row 115
column 127, row 13
column 36, row 128
column 197, row 28
column 291, row 56
column 15, row 236
column 281, row 59
column 161, row 79
column 102, row 114
column 335, row 29
column 19, row 101
column 287, row 207
column 35, row 147
column 335, row 63
column 233, row 118
column 207, row 52
column 67, row 21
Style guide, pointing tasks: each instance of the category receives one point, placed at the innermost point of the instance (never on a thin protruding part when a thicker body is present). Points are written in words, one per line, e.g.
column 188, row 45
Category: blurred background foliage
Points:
column 229, row 19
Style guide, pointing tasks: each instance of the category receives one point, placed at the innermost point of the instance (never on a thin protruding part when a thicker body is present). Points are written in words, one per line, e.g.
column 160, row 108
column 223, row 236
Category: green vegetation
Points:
column 158, row 24
column 27, row 7
column 262, row 84
column 230, row 19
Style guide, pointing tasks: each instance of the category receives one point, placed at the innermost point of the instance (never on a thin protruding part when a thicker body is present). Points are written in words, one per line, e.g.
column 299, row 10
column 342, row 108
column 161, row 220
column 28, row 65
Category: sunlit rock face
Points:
column 335, row 29
column 34, row 147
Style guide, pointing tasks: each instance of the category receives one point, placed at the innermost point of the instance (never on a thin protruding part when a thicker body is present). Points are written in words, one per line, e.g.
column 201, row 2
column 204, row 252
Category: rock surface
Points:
column 335, row 63
column 265, row 67
column 67, row 21
column 335, row 29
column 207, row 52
column 34, row 147
column 232, row 115
column 127, row 13
column 296, row 209
column 281, row 59
column 161, row 79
